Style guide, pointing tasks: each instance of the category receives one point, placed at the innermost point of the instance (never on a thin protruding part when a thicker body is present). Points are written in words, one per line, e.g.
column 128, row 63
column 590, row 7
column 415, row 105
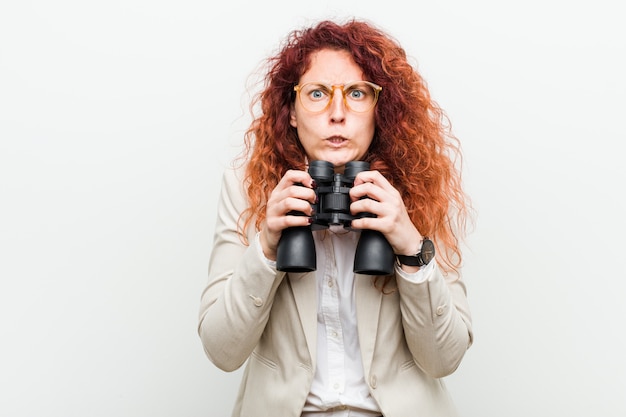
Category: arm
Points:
column 435, row 313
column 236, row 302
column 436, row 321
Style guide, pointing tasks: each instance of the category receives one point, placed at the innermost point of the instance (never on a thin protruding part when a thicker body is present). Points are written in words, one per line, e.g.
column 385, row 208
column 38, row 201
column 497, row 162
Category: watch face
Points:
column 428, row 251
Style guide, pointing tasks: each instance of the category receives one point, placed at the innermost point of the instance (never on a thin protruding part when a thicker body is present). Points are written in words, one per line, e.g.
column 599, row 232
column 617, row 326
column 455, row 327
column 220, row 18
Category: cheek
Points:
column 306, row 126
column 368, row 135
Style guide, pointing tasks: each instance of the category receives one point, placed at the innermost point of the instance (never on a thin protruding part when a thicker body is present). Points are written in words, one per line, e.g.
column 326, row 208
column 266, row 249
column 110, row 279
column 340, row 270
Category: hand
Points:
column 392, row 218
column 294, row 192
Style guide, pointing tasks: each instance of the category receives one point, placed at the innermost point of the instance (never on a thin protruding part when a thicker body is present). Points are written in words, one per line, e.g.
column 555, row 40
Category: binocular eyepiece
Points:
column 296, row 248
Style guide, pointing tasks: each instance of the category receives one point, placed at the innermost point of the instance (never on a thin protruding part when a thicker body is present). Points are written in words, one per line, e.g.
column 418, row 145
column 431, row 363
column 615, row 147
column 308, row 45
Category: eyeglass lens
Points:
column 359, row 96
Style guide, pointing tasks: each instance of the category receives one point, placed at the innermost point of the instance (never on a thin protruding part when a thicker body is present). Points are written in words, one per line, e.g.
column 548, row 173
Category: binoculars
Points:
column 296, row 248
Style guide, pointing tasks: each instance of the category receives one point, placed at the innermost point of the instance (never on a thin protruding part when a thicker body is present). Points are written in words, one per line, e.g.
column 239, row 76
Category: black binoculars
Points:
column 296, row 248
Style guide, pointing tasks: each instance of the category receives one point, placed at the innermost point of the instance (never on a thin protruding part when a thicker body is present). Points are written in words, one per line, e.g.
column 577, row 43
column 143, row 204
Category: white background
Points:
column 118, row 117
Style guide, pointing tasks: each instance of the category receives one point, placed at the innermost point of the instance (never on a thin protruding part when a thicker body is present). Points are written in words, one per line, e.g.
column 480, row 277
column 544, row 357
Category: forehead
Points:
column 332, row 67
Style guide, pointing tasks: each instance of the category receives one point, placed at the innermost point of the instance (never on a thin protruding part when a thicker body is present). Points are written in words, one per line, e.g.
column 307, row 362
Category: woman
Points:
column 332, row 342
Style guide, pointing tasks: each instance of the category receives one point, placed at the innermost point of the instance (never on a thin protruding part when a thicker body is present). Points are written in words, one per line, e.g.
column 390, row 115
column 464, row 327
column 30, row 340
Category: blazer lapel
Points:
column 304, row 287
column 368, row 299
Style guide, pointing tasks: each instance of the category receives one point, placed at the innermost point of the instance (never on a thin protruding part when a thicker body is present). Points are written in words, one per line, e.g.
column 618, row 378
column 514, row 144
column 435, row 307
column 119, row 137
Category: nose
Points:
column 337, row 105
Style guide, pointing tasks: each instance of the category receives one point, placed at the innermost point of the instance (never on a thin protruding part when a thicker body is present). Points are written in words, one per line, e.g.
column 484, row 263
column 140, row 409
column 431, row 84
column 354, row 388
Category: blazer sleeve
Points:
column 437, row 322
column 236, row 302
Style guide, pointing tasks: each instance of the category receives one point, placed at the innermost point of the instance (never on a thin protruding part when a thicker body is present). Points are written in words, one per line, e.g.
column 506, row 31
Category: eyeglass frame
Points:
column 377, row 89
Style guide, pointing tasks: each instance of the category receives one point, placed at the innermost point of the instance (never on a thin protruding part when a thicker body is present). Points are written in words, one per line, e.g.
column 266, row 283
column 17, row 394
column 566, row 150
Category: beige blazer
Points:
column 250, row 313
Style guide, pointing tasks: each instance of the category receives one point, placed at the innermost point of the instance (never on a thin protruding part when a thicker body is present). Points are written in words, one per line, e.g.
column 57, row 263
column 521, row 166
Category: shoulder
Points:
column 234, row 175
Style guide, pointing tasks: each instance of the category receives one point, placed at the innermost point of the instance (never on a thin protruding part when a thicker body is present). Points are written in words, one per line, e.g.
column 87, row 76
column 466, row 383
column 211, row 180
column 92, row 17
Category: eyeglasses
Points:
column 358, row 96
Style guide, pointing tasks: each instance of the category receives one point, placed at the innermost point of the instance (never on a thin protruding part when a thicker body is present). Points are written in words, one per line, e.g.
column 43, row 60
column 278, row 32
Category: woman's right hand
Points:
column 294, row 192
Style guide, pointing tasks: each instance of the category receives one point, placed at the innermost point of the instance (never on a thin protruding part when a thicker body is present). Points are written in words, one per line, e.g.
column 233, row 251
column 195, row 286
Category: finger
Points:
column 296, row 177
column 299, row 205
column 374, row 177
column 301, row 193
column 382, row 224
column 290, row 186
column 279, row 223
column 369, row 190
column 378, row 186
column 279, row 207
column 296, row 184
column 366, row 205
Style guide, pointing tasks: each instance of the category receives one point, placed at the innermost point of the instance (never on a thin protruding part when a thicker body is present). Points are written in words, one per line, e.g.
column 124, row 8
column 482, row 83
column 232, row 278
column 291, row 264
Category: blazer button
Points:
column 373, row 381
column 257, row 301
column 440, row 310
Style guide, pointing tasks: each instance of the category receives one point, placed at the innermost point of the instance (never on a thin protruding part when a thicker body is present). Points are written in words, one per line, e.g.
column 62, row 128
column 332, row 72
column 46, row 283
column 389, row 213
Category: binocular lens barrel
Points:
column 321, row 171
column 353, row 168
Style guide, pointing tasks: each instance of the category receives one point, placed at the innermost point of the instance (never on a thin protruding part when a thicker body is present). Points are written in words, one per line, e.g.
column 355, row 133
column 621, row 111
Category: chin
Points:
column 340, row 161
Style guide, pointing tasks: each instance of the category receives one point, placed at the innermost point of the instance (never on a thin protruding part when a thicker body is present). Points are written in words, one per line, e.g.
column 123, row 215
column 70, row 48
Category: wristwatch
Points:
column 425, row 255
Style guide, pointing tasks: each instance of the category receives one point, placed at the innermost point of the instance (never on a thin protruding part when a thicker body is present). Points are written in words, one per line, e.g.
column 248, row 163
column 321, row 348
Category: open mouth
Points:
column 336, row 140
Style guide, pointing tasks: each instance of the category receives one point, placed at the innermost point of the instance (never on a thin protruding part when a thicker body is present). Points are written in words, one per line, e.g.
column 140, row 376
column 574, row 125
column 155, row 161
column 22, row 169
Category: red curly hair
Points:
column 412, row 147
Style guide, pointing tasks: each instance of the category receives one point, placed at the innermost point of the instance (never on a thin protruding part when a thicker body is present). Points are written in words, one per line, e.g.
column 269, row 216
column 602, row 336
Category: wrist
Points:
column 265, row 248
column 422, row 257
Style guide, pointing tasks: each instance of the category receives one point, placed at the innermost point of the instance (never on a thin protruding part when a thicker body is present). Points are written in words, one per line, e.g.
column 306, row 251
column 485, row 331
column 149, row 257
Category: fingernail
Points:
column 313, row 184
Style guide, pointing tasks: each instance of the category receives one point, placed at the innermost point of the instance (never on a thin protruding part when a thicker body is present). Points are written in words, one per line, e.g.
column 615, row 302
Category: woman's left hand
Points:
column 372, row 193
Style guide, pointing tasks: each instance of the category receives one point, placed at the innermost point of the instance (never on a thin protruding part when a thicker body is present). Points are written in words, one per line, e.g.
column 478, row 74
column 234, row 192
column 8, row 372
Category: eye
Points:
column 356, row 93
column 316, row 92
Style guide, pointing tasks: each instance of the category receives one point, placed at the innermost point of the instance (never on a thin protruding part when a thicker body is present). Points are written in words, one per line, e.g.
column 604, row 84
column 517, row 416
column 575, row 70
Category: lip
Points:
column 336, row 141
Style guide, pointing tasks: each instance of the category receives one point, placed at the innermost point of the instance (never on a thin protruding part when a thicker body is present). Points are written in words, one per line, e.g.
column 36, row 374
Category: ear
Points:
column 292, row 116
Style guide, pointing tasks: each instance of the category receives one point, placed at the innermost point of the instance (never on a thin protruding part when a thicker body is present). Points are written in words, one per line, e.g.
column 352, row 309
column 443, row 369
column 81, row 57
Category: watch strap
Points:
column 426, row 254
column 411, row 260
